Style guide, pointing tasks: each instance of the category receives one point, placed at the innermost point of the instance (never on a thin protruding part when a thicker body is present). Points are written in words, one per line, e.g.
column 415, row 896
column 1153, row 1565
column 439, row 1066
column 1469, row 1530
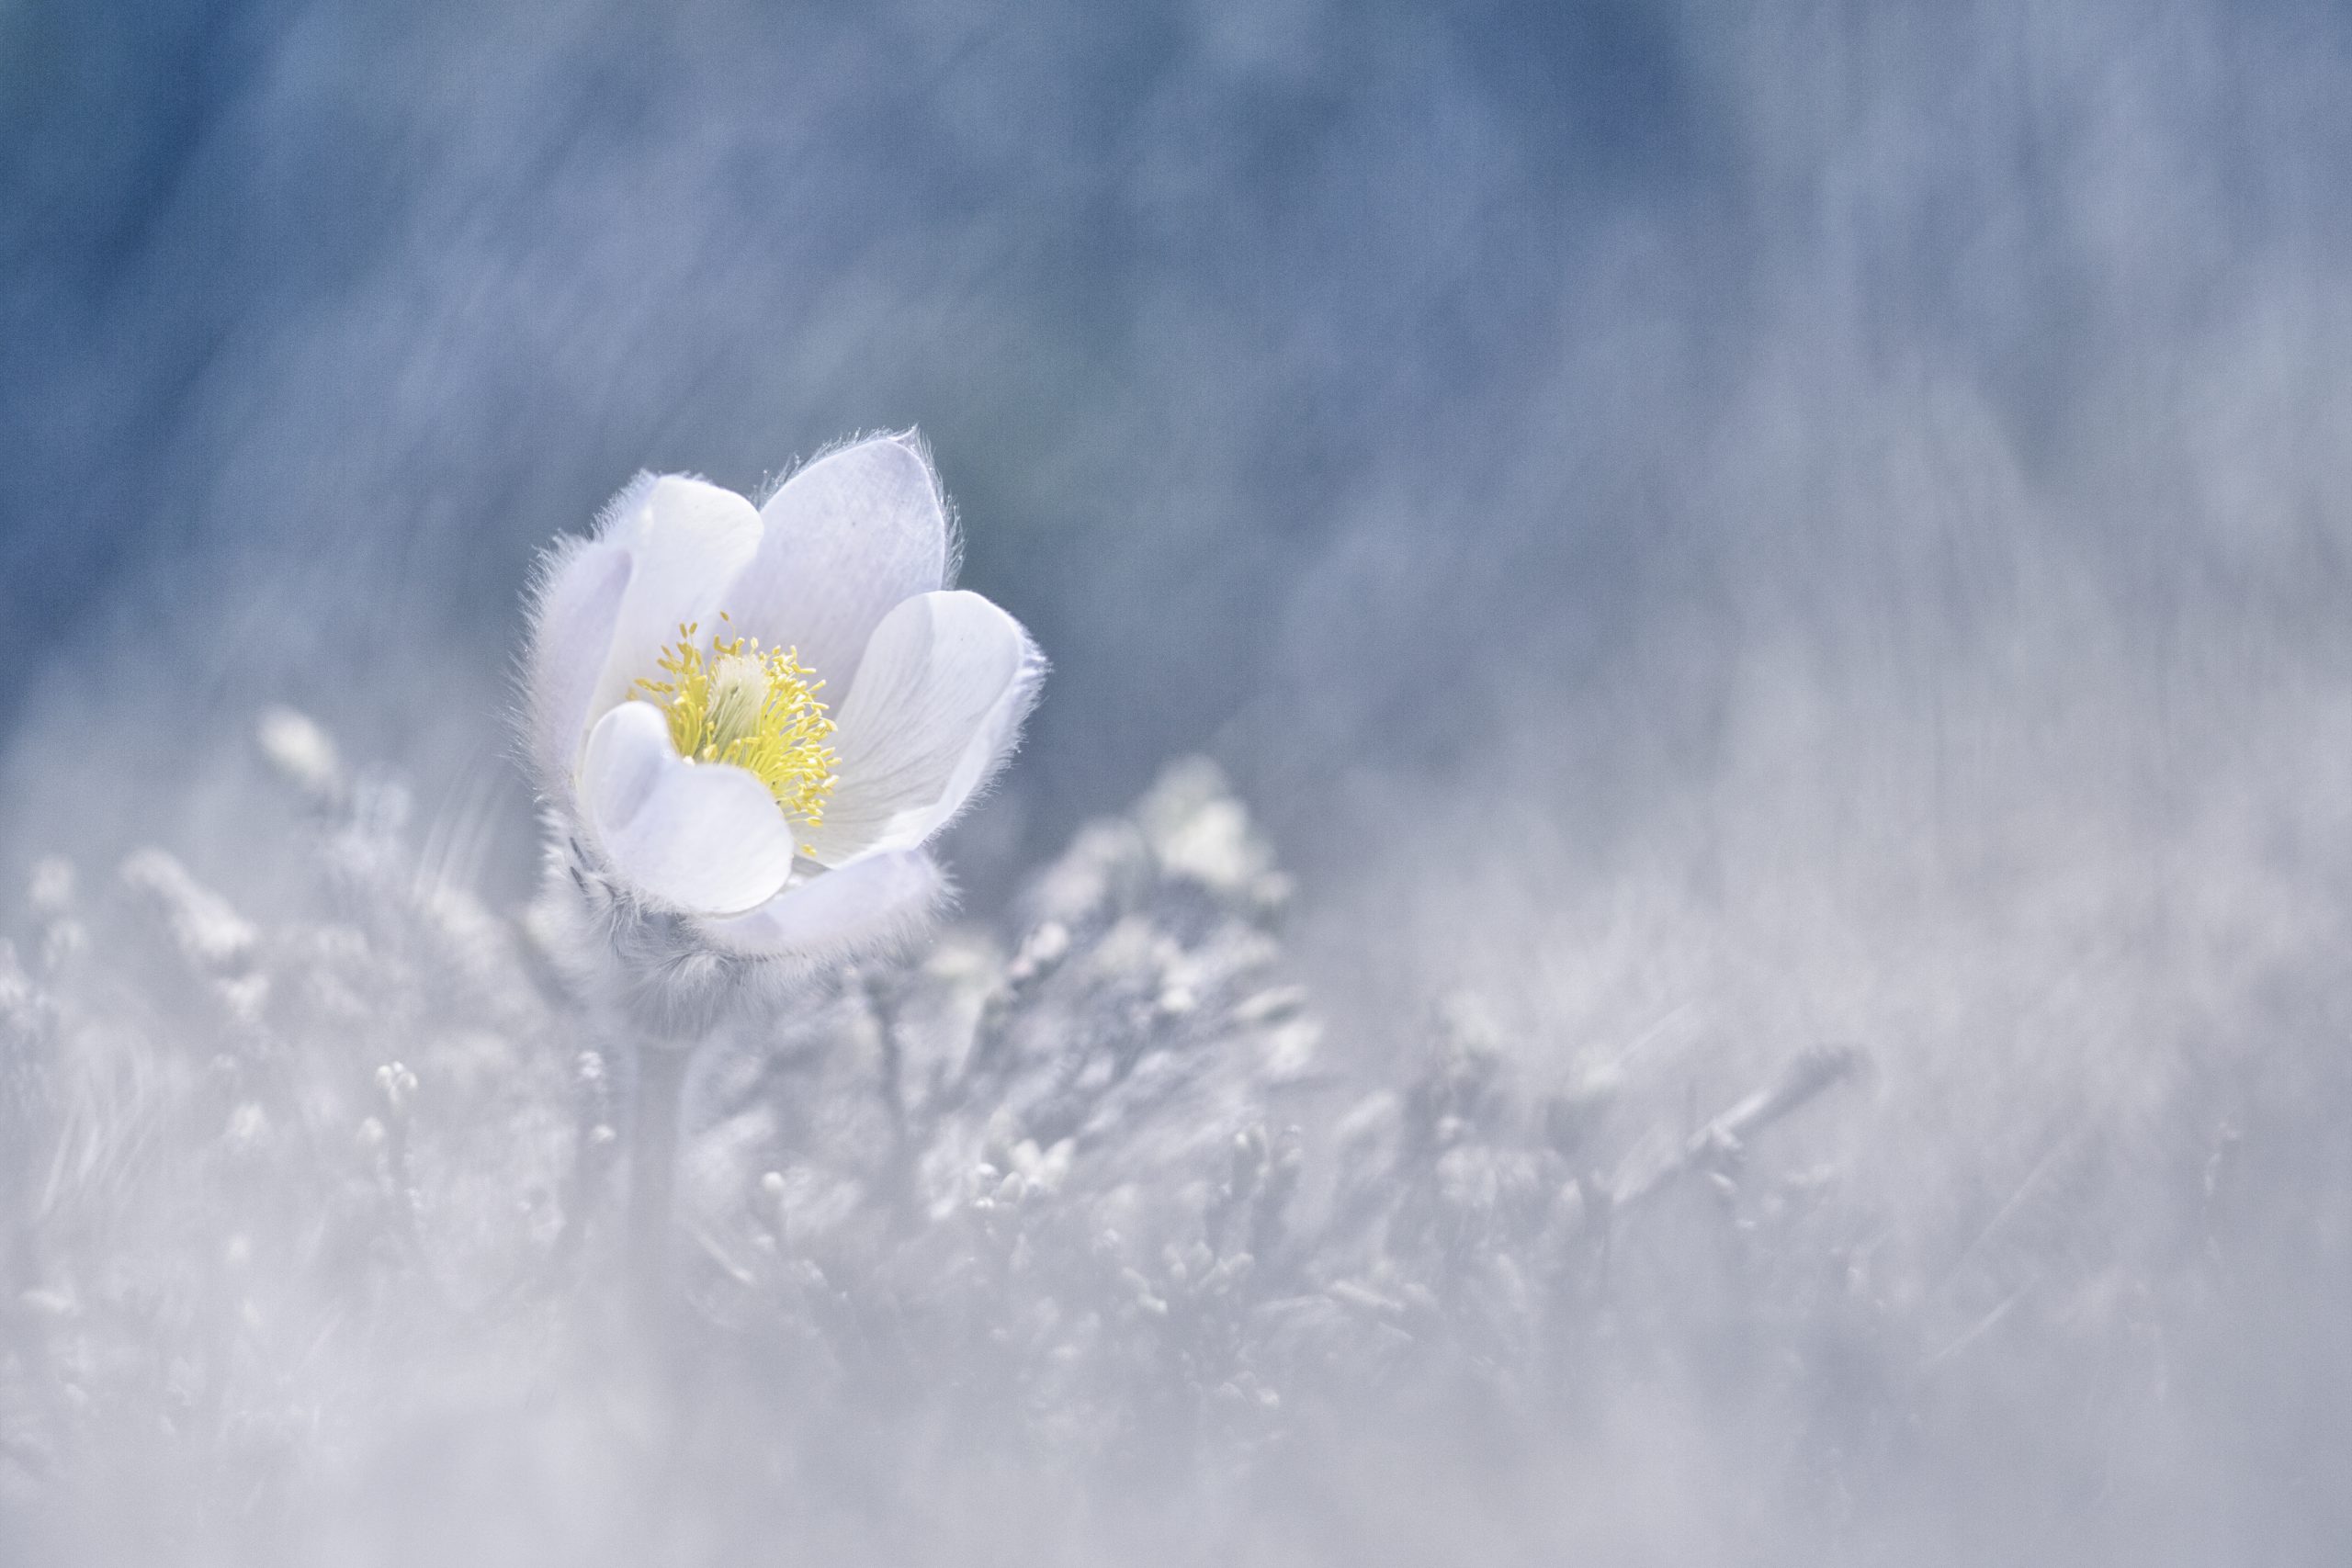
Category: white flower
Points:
column 750, row 722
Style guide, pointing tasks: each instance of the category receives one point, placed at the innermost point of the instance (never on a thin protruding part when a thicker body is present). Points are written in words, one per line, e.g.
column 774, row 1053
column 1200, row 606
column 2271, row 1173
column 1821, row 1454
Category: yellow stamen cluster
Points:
column 732, row 702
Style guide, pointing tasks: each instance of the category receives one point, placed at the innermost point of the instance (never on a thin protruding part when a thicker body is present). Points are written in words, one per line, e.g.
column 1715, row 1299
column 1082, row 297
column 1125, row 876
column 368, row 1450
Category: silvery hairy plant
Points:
column 718, row 826
column 1078, row 1187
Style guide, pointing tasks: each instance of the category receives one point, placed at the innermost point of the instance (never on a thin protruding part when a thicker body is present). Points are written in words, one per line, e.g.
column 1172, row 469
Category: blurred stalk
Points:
column 660, row 1085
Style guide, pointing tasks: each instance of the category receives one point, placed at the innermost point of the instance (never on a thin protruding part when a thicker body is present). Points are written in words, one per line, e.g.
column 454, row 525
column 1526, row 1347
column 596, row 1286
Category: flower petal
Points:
column 871, row 902
column 844, row 540
column 573, row 610
column 937, row 709
column 686, row 541
column 704, row 837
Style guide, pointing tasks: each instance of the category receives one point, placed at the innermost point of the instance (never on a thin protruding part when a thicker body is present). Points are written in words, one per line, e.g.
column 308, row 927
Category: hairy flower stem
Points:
column 660, row 1083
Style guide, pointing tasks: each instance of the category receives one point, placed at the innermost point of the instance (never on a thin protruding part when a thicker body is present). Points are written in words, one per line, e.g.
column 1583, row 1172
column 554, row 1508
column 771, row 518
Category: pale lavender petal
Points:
column 871, row 903
column 686, row 542
column 703, row 837
column 937, row 709
column 572, row 613
column 846, row 539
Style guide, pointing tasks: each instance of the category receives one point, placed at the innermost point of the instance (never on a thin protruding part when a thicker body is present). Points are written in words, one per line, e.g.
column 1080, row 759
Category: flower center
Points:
column 729, row 702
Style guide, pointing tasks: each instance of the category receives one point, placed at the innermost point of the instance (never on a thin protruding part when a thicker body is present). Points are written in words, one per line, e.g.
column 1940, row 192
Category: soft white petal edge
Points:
column 937, row 707
column 872, row 903
column 845, row 539
column 577, row 601
column 703, row 837
column 686, row 541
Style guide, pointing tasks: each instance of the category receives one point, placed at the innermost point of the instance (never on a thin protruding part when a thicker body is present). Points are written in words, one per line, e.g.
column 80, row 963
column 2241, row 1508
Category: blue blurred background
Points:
column 1758, row 523
column 1474, row 424
column 1870, row 454
column 325, row 317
